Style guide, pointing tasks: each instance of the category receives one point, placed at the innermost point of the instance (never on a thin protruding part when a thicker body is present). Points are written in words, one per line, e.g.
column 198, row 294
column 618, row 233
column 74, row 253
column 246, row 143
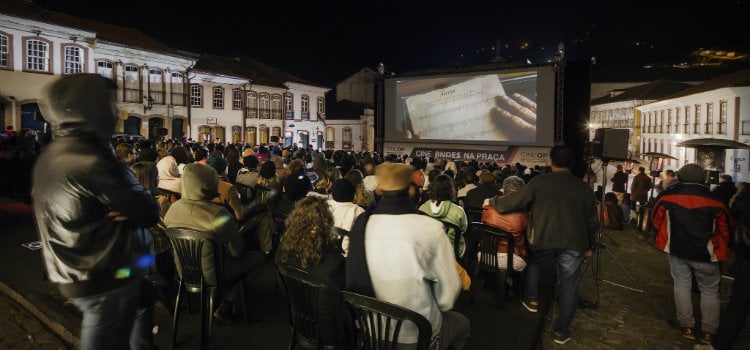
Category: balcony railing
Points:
column 275, row 114
column 289, row 115
column 132, row 95
column 265, row 113
column 178, row 99
column 329, row 144
column 252, row 113
column 346, row 145
column 305, row 115
column 157, row 97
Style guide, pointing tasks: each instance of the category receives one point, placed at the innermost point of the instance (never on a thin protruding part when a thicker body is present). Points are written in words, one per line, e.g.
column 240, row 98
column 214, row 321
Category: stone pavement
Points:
column 19, row 329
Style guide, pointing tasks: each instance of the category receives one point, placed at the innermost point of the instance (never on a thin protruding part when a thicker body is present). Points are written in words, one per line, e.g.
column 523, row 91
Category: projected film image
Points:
column 497, row 107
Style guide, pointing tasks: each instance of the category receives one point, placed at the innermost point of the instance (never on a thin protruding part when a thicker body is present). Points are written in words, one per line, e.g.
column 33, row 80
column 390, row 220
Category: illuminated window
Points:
column 74, row 59
column 236, row 98
column 196, row 95
column 264, row 107
column 687, row 120
column 4, row 51
column 37, row 55
column 697, row 120
column 252, row 104
column 156, row 85
column 218, row 100
column 289, row 106
column 177, row 84
column 709, row 118
column 276, row 106
column 723, row 117
column 132, row 84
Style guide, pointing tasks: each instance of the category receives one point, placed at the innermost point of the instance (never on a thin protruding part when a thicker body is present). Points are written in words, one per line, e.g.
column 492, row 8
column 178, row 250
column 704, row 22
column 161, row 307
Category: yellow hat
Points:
column 393, row 176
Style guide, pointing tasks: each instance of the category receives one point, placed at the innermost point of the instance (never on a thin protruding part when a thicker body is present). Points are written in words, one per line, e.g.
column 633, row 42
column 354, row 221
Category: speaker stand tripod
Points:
column 594, row 262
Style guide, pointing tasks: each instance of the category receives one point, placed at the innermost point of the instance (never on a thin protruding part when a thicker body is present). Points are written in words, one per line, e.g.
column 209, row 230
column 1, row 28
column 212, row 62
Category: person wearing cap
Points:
column 563, row 226
column 414, row 268
column 692, row 225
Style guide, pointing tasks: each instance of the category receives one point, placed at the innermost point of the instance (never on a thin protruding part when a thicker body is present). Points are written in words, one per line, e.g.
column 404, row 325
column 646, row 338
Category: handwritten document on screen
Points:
column 460, row 111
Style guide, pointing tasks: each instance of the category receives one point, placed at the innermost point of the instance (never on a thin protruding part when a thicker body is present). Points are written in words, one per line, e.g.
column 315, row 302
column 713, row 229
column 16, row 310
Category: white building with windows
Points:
column 37, row 45
column 718, row 108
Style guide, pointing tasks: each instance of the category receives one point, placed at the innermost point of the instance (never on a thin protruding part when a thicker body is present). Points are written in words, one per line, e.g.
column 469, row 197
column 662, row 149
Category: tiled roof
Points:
column 651, row 91
column 344, row 109
column 738, row 78
column 104, row 31
column 244, row 67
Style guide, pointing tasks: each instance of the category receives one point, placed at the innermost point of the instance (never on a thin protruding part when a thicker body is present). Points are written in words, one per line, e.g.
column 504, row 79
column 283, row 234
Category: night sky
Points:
column 326, row 41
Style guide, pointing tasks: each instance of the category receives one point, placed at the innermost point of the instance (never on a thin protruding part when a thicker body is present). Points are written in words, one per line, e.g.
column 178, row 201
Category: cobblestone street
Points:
column 19, row 329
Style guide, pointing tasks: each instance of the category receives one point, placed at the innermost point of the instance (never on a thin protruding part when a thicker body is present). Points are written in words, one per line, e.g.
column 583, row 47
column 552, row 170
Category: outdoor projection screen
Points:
column 500, row 107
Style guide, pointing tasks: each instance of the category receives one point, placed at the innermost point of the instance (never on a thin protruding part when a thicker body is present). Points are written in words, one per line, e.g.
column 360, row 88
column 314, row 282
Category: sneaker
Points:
column 532, row 306
column 707, row 338
column 561, row 339
column 688, row 333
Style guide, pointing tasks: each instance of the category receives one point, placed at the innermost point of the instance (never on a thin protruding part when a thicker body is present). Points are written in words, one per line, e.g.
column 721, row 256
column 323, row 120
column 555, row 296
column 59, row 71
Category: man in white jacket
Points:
column 391, row 259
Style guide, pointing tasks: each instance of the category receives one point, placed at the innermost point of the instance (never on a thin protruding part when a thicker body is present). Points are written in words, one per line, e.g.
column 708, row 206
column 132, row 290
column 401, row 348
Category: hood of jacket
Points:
column 81, row 104
column 199, row 182
column 438, row 211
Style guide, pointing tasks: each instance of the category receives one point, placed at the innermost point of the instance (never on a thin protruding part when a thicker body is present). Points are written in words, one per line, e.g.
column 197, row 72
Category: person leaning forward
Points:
column 563, row 226
column 92, row 214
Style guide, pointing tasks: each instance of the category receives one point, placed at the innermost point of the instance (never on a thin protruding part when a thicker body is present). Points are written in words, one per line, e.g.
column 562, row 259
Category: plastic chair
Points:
column 380, row 322
column 189, row 246
column 489, row 237
column 303, row 294
column 474, row 214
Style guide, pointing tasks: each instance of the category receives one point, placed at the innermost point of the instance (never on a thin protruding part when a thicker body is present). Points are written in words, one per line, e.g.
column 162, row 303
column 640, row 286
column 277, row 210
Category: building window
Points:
column 156, row 85
column 236, row 98
column 236, row 134
column 177, row 84
column 321, row 107
column 677, row 120
column 346, row 138
column 5, row 54
column 305, row 107
column 709, row 118
column 276, row 131
column 263, row 135
column 196, row 95
column 252, row 104
column 722, row 118
column 330, row 138
column 218, row 100
column 132, row 84
column 264, row 108
column 37, row 55
column 687, row 119
column 276, row 106
column 289, row 103
column 697, row 120
column 745, row 127
column 74, row 59
column 251, row 136
column 661, row 122
column 105, row 69
column 669, row 121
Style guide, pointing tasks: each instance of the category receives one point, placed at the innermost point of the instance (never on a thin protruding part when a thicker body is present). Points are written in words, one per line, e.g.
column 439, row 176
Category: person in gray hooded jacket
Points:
column 91, row 213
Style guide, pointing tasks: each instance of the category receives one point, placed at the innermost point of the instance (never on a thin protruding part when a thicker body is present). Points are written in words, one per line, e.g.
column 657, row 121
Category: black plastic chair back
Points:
column 489, row 238
column 303, row 292
column 188, row 247
column 380, row 322
column 474, row 214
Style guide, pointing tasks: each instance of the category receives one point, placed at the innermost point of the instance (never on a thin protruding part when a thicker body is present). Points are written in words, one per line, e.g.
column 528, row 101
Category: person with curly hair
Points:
column 308, row 243
column 362, row 196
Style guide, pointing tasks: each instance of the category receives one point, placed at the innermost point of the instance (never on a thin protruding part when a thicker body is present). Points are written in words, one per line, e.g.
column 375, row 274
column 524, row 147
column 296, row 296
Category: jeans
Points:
column 568, row 266
column 118, row 318
column 708, row 277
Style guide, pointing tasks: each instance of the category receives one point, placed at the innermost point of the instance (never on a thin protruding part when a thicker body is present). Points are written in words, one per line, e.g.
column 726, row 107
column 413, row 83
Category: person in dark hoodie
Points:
column 195, row 210
column 92, row 215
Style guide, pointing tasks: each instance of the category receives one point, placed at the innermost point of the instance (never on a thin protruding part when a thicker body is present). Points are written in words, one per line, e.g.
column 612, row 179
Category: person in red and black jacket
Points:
column 693, row 226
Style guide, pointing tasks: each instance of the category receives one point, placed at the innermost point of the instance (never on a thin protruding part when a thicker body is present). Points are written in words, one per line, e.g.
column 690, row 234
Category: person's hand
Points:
column 588, row 253
column 116, row 216
column 486, row 202
column 515, row 115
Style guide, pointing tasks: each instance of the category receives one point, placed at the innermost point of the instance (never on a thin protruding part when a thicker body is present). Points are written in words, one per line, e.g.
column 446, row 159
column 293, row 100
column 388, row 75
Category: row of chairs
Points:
column 375, row 324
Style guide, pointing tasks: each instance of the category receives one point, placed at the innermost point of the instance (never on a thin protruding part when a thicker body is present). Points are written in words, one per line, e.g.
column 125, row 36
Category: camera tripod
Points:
column 594, row 262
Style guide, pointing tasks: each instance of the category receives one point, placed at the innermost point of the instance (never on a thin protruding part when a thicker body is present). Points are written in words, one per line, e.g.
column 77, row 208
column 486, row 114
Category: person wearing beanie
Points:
column 294, row 188
column 692, row 225
column 383, row 241
column 343, row 209
column 197, row 210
